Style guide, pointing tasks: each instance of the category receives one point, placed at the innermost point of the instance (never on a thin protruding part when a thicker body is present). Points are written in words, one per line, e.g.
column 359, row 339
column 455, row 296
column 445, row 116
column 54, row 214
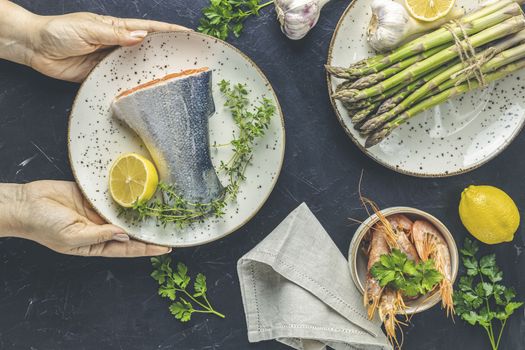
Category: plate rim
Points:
column 282, row 127
column 340, row 118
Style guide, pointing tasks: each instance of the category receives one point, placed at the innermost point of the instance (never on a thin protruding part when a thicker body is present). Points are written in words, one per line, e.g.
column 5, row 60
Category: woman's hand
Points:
column 56, row 215
column 67, row 47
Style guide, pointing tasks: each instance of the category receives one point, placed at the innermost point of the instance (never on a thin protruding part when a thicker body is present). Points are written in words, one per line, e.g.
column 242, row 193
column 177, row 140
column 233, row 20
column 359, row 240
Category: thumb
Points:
column 116, row 34
column 94, row 234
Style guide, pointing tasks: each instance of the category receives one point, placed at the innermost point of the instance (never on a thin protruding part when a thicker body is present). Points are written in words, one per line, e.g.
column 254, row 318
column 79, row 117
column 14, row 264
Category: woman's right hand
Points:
column 67, row 47
column 56, row 215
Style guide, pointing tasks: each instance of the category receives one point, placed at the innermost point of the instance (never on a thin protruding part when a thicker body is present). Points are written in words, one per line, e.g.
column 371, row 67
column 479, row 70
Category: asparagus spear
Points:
column 491, row 13
column 341, row 72
column 510, row 26
column 393, row 101
column 344, row 85
column 503, row 57
column 350, row 103
column 435, row 100
column 373, row 79
column 364, row 113
column 352, row 106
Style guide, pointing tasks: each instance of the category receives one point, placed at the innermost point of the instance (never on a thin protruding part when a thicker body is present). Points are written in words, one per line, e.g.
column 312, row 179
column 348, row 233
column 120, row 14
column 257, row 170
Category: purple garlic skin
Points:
column 297, row 17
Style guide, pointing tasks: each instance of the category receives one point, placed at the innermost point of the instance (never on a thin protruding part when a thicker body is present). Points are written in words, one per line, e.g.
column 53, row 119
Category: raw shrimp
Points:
column 402, row 227
column 378, row 247
column 430, row 244
column 400, row 221
column 389, row 306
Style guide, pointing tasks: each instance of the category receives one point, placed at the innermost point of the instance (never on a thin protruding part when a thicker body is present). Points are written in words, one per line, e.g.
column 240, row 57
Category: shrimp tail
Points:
column 447, row 302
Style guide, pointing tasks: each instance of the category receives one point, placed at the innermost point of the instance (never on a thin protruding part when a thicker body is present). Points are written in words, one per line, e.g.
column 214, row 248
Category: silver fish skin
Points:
column 171, row 115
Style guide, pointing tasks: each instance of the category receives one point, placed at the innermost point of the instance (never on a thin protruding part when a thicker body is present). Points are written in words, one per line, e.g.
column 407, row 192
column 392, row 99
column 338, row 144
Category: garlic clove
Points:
column 388, row 24
column 297, row 17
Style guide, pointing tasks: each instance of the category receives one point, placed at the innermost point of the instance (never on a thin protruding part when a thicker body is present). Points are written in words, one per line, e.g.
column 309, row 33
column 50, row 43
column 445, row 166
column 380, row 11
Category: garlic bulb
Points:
column 391, row 24
column 297, row 17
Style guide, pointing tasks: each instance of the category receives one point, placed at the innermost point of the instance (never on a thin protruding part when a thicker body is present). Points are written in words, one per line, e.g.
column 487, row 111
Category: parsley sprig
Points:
column 482, row 299
column 395, row 270
column 252, row 123
column 174, row 286
column 225, row 16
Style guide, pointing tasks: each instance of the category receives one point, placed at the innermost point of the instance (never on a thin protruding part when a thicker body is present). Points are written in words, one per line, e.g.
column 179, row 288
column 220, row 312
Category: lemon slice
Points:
column 132, row 179
column 429, row 10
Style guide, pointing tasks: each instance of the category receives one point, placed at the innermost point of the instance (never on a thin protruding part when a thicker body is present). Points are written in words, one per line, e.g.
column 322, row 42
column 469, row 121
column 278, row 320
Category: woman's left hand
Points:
column 56, row 215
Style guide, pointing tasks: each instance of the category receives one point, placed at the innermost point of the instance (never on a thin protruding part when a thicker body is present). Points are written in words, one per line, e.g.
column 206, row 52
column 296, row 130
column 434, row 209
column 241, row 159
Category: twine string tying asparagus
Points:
column 468, row 56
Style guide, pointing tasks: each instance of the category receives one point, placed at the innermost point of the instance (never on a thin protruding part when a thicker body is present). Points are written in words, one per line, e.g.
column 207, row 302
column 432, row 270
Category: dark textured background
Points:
column 50, row 301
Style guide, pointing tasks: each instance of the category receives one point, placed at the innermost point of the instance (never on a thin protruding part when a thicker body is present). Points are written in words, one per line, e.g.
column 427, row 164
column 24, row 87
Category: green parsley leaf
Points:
column 470, row 248
column 465, row 283
column 174, row 286
column 509, row 294
column 400, row 273
column 200, row 285
column 167, row 292
column 224, row 16
column 471, row 264
column 182, row 310
column 511, row 307
column 487, row 301
column 430, row 277
column 180, row 277
column 471, row 318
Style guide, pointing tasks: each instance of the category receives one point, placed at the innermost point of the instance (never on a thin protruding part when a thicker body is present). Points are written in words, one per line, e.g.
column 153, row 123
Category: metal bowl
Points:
column 358, row 260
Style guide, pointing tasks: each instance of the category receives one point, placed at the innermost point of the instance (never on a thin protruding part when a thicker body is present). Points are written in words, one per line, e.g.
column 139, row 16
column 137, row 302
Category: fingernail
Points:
column 122, row 237
column 169, row 250
column 138, row 34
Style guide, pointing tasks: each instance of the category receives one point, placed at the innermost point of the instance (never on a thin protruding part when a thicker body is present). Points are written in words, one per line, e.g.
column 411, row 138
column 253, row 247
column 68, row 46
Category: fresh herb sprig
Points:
column 225, row 16
column 481, row 298
column 174, row 286
column 395, row 270
column 252, row 124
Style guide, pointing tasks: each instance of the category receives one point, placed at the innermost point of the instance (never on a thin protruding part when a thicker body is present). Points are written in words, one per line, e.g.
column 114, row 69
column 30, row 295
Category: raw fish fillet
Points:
column 170, row 115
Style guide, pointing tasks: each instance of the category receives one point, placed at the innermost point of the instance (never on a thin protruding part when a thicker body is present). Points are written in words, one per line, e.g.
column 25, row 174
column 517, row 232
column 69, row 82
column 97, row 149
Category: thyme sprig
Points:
column 252, row 125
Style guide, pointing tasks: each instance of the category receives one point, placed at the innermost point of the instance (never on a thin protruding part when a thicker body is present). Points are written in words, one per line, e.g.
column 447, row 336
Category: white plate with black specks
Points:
column 455, row 137
column 96, row 139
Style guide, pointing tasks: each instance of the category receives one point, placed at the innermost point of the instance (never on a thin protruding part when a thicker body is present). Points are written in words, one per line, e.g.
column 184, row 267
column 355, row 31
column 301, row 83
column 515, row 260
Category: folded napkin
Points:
column 296, row 288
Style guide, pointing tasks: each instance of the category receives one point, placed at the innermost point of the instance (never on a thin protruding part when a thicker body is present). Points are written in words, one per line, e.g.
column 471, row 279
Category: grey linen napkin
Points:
column 296, row 288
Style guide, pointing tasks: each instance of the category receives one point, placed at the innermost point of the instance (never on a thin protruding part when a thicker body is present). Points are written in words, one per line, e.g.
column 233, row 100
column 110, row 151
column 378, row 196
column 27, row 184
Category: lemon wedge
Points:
column 132, row 179
column 429, row 10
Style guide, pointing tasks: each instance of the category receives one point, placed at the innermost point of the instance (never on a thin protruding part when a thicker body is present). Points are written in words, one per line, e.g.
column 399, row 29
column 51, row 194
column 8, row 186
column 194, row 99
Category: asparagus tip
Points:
column 376, row 137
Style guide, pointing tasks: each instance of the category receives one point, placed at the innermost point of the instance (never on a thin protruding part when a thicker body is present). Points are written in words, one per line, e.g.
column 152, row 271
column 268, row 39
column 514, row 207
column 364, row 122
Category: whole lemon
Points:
column 489, row 214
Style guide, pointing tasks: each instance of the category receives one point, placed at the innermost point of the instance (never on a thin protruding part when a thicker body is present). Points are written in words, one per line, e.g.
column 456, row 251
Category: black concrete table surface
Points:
column 52, row 301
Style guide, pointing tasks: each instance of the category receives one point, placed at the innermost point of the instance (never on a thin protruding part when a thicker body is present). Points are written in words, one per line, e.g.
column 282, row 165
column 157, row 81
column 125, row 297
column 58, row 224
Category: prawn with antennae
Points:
column 388, row 302
column 430, row 244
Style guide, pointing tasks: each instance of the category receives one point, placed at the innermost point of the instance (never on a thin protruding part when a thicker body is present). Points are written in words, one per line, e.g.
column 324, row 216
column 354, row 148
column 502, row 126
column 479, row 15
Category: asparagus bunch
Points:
column 439, row 98
column 384, row 91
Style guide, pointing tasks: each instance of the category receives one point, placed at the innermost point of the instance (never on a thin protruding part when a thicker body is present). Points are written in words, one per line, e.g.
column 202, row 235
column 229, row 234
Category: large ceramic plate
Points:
column 96, row 139
column 452, row 138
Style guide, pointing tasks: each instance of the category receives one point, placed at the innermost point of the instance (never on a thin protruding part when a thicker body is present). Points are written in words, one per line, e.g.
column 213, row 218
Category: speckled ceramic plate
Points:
column 96, row 139
column 453, row 138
